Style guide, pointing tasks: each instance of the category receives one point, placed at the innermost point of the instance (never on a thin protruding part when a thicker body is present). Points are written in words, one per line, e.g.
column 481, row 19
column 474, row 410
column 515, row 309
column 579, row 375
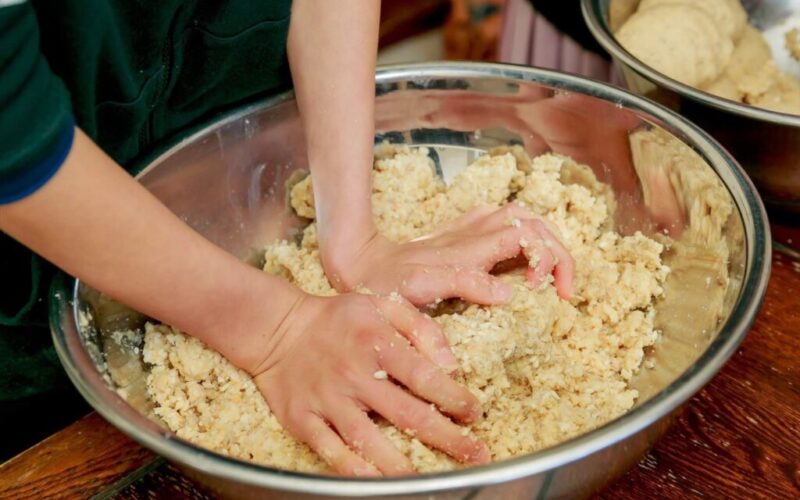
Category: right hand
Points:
column 336, row 359
column 456, row 259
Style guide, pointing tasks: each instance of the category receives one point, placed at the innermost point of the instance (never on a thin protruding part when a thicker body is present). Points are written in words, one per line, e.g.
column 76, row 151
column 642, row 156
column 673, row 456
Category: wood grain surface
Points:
column 740, row 436
column 78, row 462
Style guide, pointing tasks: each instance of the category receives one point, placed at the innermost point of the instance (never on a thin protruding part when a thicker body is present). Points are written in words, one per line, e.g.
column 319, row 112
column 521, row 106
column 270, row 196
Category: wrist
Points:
column 243, row 319
column 344, row 232
column 346, row 261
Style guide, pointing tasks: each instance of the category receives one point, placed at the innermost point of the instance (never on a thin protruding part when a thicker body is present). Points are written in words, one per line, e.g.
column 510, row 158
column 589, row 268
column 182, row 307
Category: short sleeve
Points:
column 36, row 124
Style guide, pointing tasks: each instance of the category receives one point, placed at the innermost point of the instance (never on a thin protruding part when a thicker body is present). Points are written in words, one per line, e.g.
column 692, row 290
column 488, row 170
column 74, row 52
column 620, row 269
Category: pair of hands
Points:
column 337, row 359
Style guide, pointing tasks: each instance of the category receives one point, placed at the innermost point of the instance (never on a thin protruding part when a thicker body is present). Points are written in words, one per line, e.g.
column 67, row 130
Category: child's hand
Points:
column 335, row 360
column 456, row 260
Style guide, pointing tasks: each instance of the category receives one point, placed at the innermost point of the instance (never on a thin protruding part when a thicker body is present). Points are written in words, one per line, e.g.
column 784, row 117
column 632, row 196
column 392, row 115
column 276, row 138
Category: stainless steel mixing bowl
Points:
column 228, row 181
column 766, row 143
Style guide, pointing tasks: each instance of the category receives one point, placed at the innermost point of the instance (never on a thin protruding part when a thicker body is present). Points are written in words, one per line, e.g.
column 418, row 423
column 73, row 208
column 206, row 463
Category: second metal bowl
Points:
column 766, row 143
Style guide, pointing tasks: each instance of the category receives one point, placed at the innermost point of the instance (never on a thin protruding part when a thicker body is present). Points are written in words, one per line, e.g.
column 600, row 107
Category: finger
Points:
column 464, row 222
column 502, row 234
column 409, row 414
column 421, row 331
column 328, row 445
column 564, row 269
column 540, row 262
column 427, row 381
column 363, row 436
column 502, row 244
column 505, row 215
column 472, row 217
column 554, row 258
column 427, row 284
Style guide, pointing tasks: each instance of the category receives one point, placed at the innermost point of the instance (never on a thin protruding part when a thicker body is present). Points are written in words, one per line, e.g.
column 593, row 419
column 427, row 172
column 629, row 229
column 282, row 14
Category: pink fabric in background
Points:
column 528, row 38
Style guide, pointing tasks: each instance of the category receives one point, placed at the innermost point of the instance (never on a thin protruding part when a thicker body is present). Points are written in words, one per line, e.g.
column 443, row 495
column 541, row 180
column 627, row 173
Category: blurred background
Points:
column 544, row 33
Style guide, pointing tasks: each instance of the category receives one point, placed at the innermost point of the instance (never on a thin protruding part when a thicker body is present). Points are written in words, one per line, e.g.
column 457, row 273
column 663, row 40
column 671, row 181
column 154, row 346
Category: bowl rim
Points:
column 594, row 16
column 64, row 308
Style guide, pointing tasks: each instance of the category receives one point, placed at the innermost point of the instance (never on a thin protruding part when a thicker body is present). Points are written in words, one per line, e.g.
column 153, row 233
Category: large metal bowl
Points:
column 766, row 143
column 228, row 182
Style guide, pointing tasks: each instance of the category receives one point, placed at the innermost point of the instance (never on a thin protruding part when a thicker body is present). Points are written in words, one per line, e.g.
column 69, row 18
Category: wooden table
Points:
column 737, row 438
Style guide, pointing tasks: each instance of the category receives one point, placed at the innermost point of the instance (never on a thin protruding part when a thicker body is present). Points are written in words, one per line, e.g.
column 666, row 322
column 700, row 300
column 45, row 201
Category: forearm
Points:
column 332, row 51
column 97, row 223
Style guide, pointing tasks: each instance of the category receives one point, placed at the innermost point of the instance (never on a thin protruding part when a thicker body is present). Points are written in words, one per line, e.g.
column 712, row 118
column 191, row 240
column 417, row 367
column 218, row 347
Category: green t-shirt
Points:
column 132, row 74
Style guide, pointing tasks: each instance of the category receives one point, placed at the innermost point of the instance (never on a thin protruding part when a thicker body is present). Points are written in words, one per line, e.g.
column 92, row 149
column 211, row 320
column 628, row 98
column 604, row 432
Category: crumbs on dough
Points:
column 545, row 369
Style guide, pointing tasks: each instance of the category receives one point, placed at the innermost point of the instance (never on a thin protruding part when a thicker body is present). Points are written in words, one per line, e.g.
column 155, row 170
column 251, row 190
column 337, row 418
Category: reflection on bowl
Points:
column 766, row 143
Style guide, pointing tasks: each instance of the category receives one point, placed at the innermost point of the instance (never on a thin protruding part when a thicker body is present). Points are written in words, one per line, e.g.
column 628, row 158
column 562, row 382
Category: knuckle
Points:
column 508, row 209
column 420, row 282
column 414, row 284
column 510, row 235
column 366, row 337
column 529, row 229
column 375, row 351
column 359, row 307
column 415, row 416
column 467, row 278
column 417, row 275
column 347, row 374
column 514, row 210
column 422, row 375
column 461, row 272
column 427, row 327
column 434, row 335
column 403, row 303
column 298, row 418
column 355, row 433
column 476, row 213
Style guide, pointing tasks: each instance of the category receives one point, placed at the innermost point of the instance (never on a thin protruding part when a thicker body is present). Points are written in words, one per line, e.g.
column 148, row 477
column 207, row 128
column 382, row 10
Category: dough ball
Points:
column 678, row 40
column 619, row 11
column 771, row 89
column 724, row 87
column 749, row 56
column 728, row 15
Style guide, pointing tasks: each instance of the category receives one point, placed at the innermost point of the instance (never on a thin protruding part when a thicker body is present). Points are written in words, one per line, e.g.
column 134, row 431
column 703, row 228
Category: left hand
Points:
column 456, row 260
column 335, row 360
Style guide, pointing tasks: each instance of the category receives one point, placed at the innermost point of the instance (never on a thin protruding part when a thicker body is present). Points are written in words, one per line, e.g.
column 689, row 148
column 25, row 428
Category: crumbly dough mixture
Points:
column 793, row 43
column 708, row 44
column 545, row 369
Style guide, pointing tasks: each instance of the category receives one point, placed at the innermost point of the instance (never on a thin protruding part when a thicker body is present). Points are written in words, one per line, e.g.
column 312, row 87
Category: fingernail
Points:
column 405, row 469
column 482, row 454
column 475, row 414
column 366, row 472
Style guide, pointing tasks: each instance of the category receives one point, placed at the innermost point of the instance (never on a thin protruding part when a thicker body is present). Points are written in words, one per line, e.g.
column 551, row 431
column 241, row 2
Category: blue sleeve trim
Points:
column 30, row 179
